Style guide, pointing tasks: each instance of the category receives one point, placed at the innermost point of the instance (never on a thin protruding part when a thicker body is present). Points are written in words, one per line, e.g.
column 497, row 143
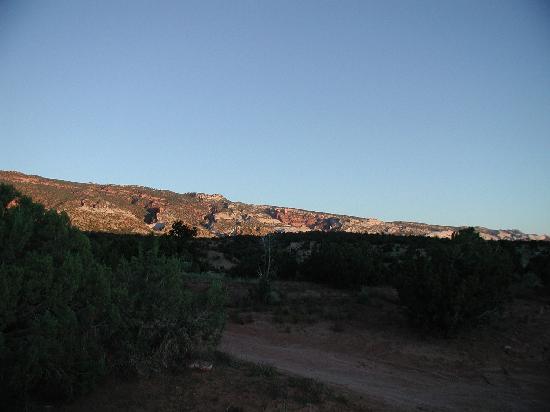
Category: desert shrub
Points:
column 344, row 265
column 455, row 285
column 66, row 319
column 247, row 266
column 264, row 370
column 161, row 320
column 540, row 267
column 262, row 292
column 110, row 248
column 286, row 264
column 54, row 302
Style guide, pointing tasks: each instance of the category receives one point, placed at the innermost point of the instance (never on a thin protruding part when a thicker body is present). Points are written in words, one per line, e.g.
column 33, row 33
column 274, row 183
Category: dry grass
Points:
column 231, row 385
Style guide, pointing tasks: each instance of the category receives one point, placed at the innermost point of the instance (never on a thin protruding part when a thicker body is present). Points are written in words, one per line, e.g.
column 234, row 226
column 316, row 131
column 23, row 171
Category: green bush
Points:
column 455, row 285
column 66, row 319
column 54, row 302
column 344, row 265
column 161, row 320
column 540, row 266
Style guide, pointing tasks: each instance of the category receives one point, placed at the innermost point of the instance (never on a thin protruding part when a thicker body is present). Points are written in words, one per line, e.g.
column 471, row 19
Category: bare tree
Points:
column 264, row 271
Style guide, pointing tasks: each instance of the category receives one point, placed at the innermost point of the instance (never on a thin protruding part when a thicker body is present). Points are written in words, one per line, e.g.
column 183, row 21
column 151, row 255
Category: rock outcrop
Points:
column 138, row 209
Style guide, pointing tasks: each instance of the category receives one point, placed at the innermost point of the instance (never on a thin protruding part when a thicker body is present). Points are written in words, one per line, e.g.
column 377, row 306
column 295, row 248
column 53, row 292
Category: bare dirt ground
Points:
column 370, row 350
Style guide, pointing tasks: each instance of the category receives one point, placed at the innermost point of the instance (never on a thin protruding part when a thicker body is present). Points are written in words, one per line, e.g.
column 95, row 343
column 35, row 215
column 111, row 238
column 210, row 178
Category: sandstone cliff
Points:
column 138, row 209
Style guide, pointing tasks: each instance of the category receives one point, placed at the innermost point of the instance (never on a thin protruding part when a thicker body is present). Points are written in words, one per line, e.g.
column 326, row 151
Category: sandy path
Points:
column 395, row 385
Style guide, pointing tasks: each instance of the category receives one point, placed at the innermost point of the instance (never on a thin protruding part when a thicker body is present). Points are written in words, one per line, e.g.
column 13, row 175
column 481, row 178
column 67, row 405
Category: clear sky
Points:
column 432, row 111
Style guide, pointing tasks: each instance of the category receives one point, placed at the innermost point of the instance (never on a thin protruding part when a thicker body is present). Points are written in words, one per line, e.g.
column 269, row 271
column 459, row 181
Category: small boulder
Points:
column 201, row 365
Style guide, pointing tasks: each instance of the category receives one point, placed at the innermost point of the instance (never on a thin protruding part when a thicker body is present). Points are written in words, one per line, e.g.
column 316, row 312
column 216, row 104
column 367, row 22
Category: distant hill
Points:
column 138, row 209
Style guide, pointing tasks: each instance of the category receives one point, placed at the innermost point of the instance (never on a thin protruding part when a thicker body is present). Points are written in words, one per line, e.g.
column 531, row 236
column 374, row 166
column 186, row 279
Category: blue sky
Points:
column 432, row 111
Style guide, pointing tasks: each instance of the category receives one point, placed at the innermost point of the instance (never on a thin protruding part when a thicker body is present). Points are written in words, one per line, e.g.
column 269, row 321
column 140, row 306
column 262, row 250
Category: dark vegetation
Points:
column 457, row 284
column 76, row 306
column 444, row 284
column 73, row 307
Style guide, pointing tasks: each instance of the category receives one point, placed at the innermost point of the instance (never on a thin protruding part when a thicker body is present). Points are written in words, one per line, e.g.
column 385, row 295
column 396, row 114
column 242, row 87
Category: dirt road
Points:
column 403, row 378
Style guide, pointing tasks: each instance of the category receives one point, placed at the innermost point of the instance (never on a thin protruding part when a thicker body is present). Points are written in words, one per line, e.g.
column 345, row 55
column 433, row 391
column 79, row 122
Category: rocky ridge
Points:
column 138, row 209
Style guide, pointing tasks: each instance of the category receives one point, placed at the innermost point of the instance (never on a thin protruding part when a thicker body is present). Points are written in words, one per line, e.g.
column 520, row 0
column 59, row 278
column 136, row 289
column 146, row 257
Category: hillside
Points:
column 138, row 209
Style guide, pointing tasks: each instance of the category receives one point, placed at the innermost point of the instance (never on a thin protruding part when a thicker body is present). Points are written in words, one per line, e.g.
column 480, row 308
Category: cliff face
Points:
column 137, row 209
